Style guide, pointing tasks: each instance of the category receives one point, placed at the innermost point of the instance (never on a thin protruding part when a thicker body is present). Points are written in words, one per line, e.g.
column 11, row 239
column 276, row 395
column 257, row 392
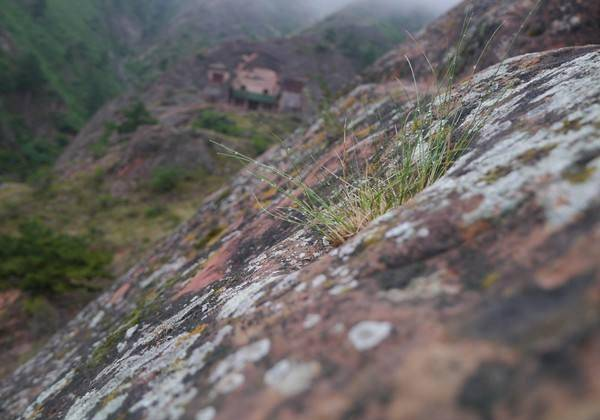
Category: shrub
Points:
column 210, row 119
column 7, row 77
column 260, row 144
column 165, row 179
column 155, row 211
column 135, row 116
column 64, row 123
column 100, row 146
column 42, row 261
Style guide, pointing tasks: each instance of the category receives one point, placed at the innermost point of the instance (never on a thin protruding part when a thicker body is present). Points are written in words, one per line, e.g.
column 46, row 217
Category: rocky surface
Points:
column 478, row 299
column 553, row 24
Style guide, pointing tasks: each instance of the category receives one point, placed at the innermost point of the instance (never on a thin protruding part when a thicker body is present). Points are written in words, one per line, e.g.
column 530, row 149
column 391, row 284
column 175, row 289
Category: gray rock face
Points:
column 479, row 299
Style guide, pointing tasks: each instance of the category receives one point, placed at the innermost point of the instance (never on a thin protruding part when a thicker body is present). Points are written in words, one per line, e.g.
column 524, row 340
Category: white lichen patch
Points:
column 163, row 272
column 565, row 201
column 97, row 319
column 341, row 271
column 229, row 383
column 319, row 280
column 401, row 232
column 289, row 377
column 285, row 284
column 30, row 412
column 130, row 331
column 350, row 247
column 110, row 408
column 344, row 287
column 237, row 361
column 405, row 231
column 208, row 413
column 300, row 288
column 311, row 321
column 369, row 334
column 242, row 300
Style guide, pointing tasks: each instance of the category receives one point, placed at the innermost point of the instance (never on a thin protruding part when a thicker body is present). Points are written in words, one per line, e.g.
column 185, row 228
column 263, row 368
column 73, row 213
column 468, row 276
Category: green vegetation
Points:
column 100, row 146
column 219, row 122
column 127, row 226
column 29, row 76
column 262, row 129
column 165, row 179
column 41, row 261
column 64, row 57
column 134, row 117
column 380, row 29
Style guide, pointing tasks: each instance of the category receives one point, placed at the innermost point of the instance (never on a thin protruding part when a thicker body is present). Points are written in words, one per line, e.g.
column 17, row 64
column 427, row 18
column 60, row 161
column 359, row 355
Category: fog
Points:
column 436, row 6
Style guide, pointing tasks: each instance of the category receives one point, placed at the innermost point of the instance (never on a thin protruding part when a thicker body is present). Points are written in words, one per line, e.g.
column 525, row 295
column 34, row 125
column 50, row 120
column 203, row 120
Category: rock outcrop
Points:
column 478, row 299
column 502, row 28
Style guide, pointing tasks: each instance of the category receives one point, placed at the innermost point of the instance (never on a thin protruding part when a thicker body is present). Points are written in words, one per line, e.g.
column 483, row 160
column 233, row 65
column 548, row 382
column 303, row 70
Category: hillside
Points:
column 448, row 270
column 59, row 63
column 197, row 25
column 327, row 57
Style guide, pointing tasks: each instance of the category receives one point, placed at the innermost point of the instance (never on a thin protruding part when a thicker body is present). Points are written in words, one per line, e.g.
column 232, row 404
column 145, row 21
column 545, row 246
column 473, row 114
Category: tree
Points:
column 135, row 116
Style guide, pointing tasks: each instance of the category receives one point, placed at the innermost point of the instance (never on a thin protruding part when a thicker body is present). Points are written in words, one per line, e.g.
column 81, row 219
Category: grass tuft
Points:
column 428, row 144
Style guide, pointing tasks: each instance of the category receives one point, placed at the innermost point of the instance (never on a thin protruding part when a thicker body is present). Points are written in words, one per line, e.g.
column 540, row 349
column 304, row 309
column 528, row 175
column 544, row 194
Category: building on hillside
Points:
column 255, row 84
column 256, row 88
column 292, row 95
column 217, row 88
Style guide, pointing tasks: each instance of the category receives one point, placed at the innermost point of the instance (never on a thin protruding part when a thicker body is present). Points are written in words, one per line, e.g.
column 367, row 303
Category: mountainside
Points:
column 59, row 63
column 327, row 57
column 196, row 25
column 449, row 270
